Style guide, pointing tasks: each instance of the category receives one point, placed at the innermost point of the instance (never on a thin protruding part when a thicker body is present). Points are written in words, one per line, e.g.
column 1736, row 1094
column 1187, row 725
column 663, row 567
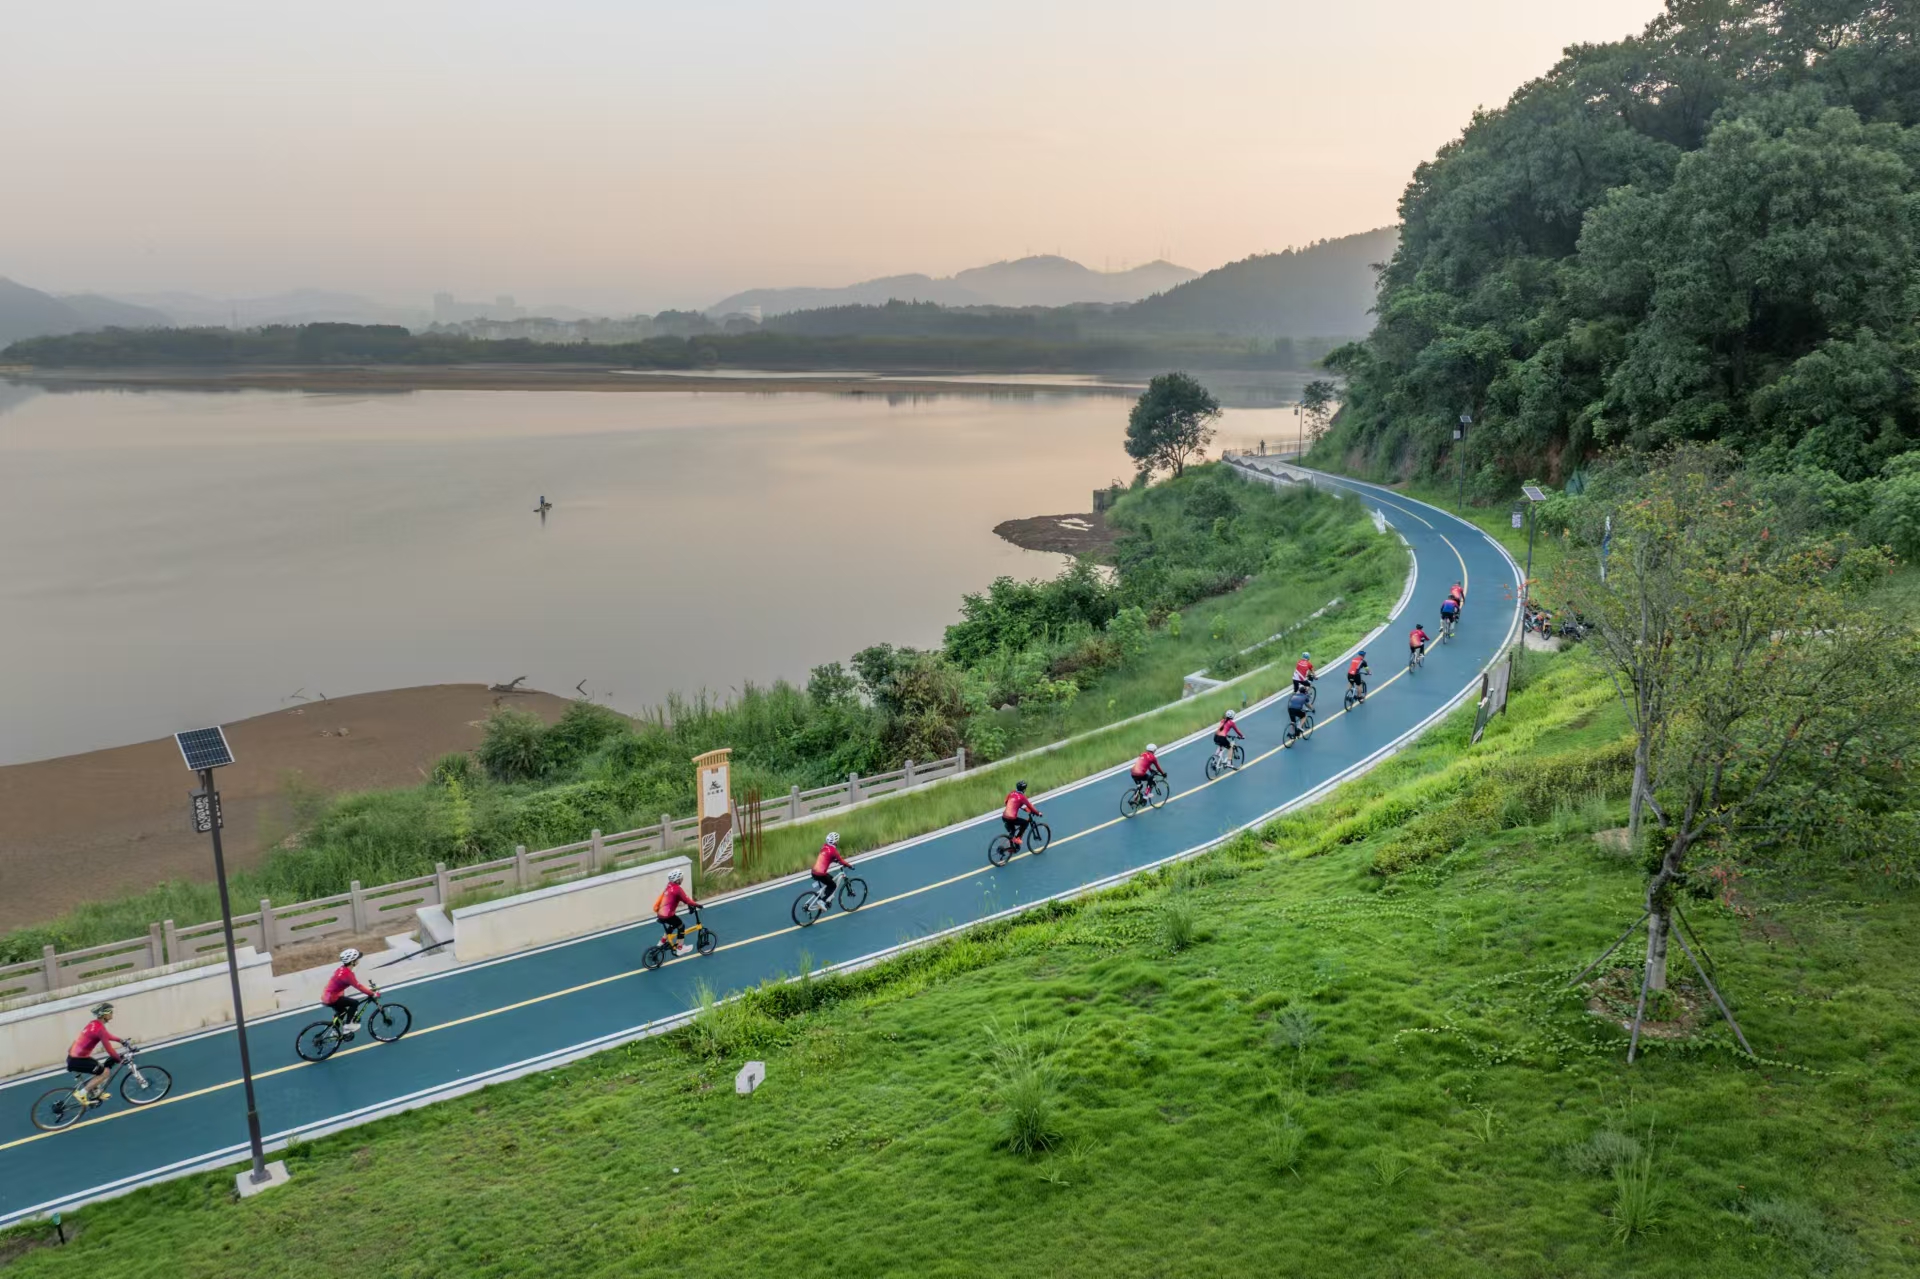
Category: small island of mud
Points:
column 1084, row 534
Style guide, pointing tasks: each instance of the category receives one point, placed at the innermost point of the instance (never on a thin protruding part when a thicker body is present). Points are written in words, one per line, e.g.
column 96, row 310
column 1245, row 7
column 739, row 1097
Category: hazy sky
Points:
column 666, row 153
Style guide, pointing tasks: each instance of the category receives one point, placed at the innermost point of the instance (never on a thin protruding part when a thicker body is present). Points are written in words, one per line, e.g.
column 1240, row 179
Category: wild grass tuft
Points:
column 1639, row 1198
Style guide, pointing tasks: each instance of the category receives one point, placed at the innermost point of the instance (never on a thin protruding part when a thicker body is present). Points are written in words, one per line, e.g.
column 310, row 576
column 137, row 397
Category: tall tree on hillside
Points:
column 1755, row 666
column 1316, row 400
column 1171, row 423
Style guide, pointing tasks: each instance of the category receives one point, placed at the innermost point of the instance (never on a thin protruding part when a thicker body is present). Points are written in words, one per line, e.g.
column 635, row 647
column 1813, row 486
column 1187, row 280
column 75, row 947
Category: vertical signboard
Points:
column 1493, row 696
column 713, row 776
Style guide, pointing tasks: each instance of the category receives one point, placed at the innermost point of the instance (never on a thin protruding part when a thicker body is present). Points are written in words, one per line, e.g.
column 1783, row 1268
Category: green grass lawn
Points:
column 1269, row 1061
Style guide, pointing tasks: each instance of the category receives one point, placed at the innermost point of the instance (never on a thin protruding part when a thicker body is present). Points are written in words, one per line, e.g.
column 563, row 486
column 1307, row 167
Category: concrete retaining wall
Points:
column 177, row 1000
column 562, row 911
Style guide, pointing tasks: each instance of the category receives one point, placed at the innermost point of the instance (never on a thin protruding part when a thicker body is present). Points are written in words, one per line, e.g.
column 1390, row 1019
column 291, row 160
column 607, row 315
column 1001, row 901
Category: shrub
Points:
column 514, row 747
column 1179, row 924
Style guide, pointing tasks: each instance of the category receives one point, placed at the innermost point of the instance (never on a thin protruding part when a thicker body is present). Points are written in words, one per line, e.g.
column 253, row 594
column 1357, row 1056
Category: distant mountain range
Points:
column 27, row 313
column 296, row 306
column 1323, row 290
column 1044, row 280
column 1312, row 292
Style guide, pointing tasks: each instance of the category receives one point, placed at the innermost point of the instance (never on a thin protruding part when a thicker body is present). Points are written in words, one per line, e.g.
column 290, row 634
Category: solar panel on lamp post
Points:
column 205, row 749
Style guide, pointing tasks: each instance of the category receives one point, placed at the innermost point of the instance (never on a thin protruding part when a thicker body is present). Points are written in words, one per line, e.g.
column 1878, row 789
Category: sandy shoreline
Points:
column 366, row 378
column 93, row 826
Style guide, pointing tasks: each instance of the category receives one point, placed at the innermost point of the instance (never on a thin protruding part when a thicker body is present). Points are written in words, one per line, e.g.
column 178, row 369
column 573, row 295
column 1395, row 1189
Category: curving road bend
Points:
column 512, row 1016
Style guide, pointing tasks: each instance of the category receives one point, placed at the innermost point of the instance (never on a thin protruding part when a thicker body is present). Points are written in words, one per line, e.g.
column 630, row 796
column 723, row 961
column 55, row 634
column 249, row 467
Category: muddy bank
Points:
column 1083, row 534
column 87, row 827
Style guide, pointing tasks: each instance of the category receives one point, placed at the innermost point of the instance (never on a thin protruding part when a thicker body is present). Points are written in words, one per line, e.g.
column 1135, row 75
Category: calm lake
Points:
column 173, row 559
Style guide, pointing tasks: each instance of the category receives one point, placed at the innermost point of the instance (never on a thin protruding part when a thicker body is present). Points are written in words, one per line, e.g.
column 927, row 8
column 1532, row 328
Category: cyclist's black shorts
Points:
column 1416, row 648
column 1014, row 825
column 1296, row 715
column 86, row 1066
column 345, row 1006
column 1355, row 678
column 825, row 882
column 670, row 923
column 1222, row 740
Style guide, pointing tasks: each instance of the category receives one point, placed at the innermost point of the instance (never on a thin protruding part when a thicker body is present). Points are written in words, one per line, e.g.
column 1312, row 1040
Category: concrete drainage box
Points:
column 572, row 909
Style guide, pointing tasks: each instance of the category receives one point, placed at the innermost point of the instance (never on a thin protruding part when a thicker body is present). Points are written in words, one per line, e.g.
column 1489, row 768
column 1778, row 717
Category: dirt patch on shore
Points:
column 87, row 827
column 1086, row 534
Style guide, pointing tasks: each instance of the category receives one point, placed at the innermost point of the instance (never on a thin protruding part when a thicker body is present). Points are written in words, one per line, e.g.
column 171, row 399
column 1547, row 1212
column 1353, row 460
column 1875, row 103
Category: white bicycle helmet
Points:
column 833, row 837
column 673, row 877
column 350, row 955
column 1152, row 749
column 1229, row 712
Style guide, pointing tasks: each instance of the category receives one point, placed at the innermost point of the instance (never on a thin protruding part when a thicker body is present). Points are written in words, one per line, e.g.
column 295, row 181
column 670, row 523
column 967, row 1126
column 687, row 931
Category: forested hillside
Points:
column 1704, row 232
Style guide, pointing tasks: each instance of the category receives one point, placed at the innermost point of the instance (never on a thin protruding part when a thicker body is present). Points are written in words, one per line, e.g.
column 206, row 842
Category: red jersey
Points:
column 338, row 984
column 1145, row 765
column 1303, row 669
column 1458, row 594
column 1228, row 728
column 1416, row 638
column 1356, row 665
column 94, row 1035
column 828, row 856
column 669, row 900
column 1016, row 802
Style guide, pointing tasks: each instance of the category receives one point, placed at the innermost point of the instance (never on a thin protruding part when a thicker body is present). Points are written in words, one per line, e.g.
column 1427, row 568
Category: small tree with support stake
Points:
column 1755, row 668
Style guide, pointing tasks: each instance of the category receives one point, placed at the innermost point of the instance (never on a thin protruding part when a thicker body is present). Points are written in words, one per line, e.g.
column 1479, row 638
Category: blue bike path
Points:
column 509, row 1017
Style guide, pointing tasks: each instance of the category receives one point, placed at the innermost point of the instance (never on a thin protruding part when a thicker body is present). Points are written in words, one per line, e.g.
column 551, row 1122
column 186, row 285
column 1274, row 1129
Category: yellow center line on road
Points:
column 747, row 941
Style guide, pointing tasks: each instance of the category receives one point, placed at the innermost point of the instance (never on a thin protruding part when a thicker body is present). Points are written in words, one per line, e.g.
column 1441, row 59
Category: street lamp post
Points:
column 1459, row 458
column 1533, row 495
column 205, row 749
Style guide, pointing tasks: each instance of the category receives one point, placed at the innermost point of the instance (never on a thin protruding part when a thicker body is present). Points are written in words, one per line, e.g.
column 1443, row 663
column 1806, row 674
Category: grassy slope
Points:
column 1446, row 1095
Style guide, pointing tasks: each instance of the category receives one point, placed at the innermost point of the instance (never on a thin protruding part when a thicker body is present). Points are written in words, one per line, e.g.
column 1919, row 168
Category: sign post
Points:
column 205, row 749
column 713, row 778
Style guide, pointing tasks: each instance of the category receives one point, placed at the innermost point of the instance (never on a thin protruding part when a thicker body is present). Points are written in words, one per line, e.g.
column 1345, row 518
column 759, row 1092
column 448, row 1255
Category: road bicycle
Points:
column 1151, row 793
column 1036, row 833
column 1298, row 728
column 1225, row 759
column 661, row 951
column 849, row 890
column 1356, row 694
column 1416, row 658
column 1446, row 628
column 386, row 1022
column 68, row 1104
column 1313, row 691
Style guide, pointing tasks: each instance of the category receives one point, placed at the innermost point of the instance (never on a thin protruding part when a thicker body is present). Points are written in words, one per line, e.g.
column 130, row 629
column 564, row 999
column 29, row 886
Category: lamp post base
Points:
column 276, row 1176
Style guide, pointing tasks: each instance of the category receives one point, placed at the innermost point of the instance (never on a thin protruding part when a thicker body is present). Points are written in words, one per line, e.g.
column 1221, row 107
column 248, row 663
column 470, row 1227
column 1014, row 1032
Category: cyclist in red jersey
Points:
column 1223, row 737
column 823, row 865
column 80, row 1058
column 666, row 909
column 1458, row 594
column 335, row 996
column 1011, row 812
column 1303, row 673
column 1417, row 640
column 1357, row 672
column 1148, row 765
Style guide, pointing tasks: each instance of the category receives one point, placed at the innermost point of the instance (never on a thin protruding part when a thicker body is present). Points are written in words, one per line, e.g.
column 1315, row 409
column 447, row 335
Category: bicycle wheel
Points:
column 389, row 1022
column 706, row 941
column 1000, row 850
column 1307, row 722
column 1214, row 766
column 654, row 956
column 1351, row 700
column 318, row 1041
column 853, row 894
column 807, row 908
column 149, row 1086
column 1160, row 792
column 57, row 1108
column 1039, row 835
column 1239, row 756
column 1130, row 802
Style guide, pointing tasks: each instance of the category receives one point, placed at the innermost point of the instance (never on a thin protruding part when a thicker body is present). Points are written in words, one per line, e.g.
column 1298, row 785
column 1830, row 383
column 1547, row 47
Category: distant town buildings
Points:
column 448, row 309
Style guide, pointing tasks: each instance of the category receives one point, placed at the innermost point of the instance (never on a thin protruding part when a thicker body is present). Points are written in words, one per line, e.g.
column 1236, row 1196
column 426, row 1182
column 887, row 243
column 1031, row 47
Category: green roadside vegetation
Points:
column 1343, row 1045
column 1206, row 565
